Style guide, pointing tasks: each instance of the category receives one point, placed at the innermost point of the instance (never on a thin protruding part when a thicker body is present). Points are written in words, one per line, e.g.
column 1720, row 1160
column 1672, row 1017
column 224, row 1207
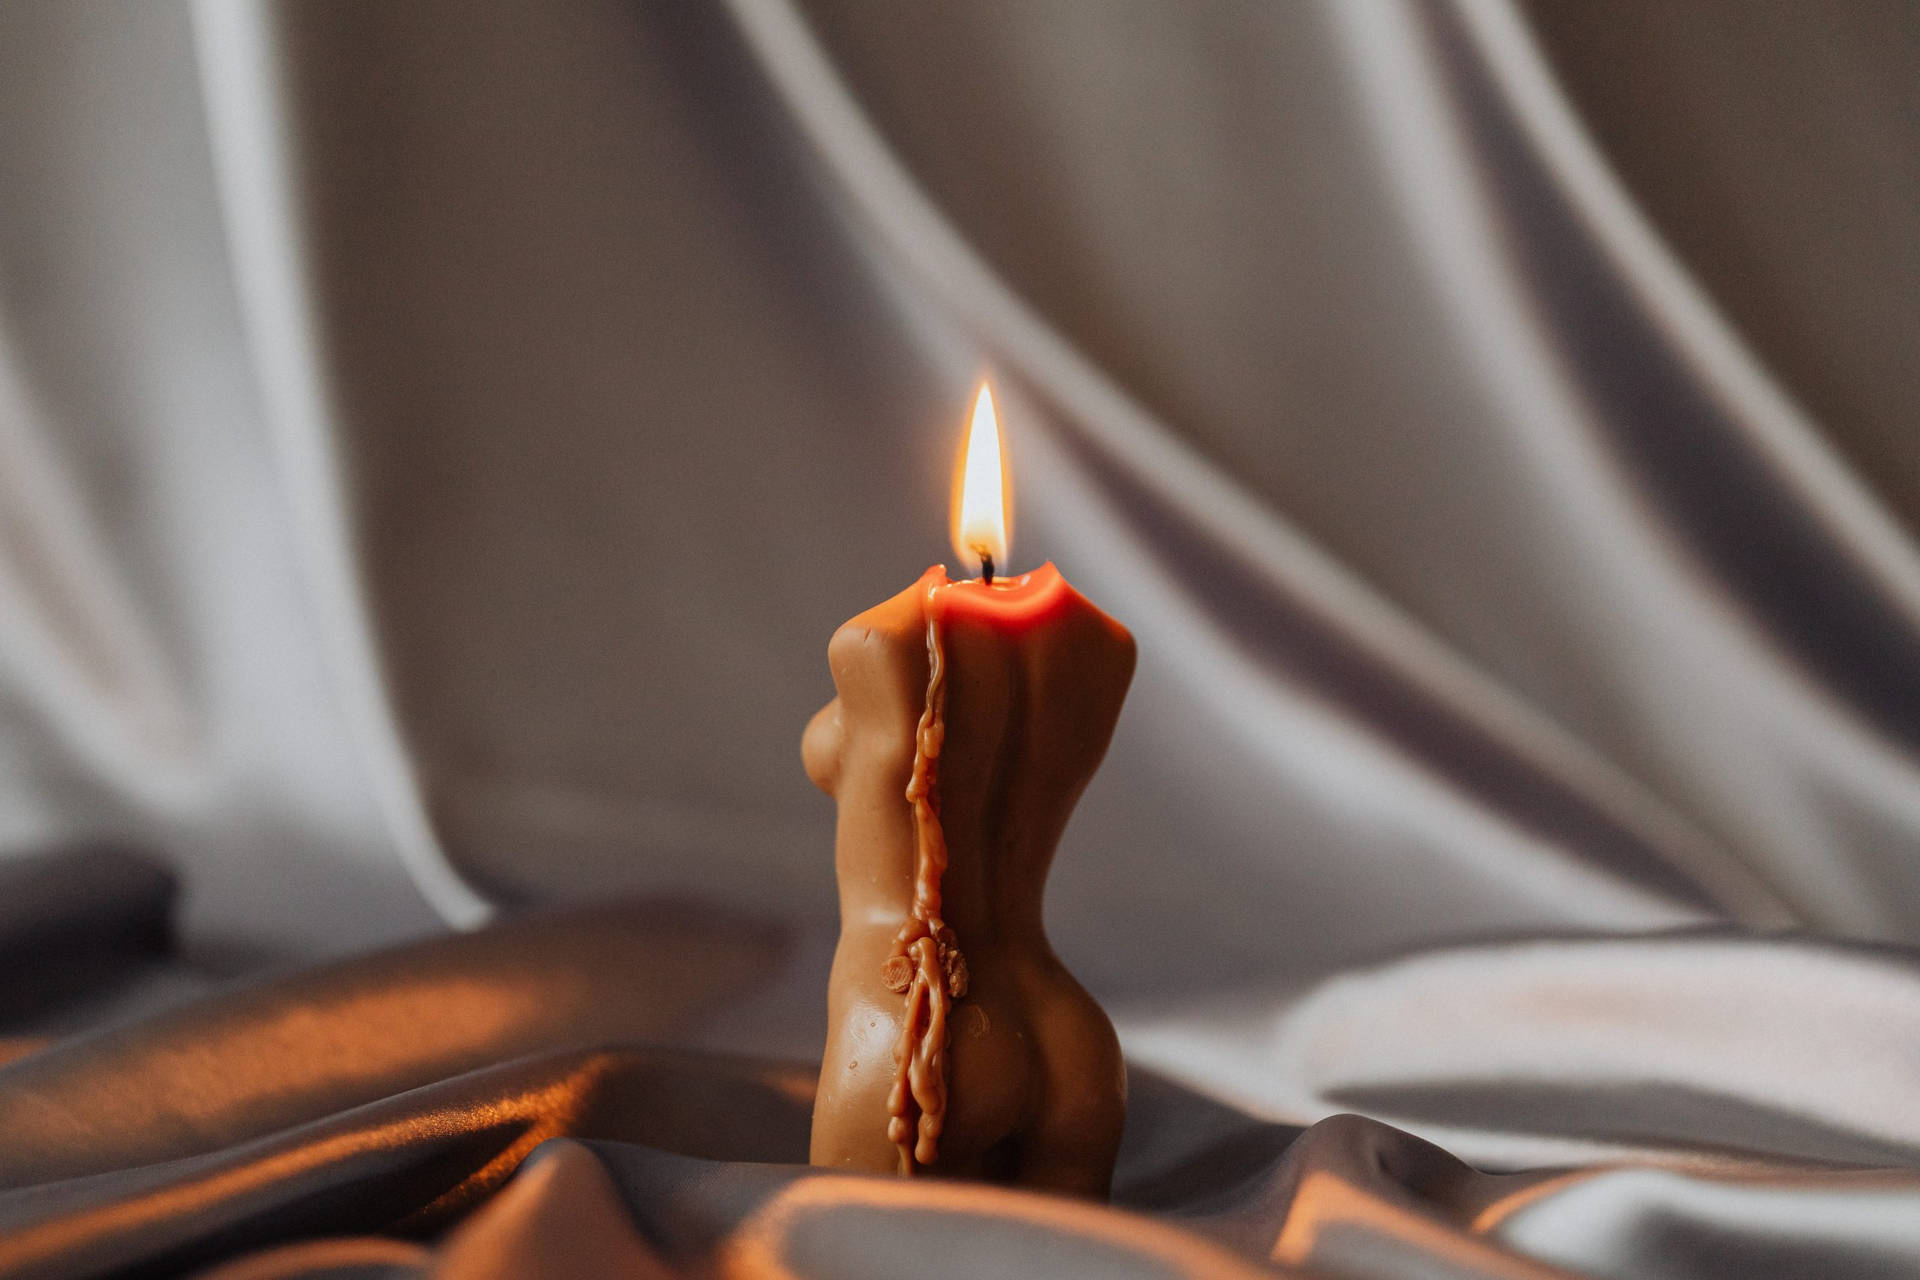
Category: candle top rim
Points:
column 1009, row 586
column 1032, row 595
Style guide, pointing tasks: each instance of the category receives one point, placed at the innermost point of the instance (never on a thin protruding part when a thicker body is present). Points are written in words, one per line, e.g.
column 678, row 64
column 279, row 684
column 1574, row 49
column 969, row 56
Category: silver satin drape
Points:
column 437, row 440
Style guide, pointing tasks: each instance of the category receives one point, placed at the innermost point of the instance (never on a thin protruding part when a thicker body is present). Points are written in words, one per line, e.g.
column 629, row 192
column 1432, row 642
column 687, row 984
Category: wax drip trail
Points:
column 926, row 964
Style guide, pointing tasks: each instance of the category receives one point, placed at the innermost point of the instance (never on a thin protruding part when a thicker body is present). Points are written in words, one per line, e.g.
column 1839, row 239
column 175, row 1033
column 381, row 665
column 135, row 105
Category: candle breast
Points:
column 1035, row 681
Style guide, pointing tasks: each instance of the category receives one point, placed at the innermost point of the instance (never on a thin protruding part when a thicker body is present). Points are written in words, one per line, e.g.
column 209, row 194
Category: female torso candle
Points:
column 969, row 717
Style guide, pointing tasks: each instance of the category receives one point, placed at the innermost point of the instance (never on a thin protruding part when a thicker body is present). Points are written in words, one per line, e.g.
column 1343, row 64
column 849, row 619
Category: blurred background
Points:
column 437, row 440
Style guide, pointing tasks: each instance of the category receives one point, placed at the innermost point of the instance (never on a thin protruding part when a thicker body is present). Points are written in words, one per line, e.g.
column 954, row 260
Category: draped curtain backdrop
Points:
column 437, row 440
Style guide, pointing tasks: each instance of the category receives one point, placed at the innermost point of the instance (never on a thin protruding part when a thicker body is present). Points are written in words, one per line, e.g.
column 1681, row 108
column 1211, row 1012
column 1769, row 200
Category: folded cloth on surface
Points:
column 395, row 1116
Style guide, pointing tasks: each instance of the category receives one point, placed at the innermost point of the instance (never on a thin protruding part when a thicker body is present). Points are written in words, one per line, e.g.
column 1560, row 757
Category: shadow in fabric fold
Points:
column 264, row 1057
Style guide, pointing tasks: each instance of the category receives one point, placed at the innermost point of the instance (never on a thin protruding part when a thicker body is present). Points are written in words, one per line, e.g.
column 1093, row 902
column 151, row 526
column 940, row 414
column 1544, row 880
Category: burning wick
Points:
column 982, row 499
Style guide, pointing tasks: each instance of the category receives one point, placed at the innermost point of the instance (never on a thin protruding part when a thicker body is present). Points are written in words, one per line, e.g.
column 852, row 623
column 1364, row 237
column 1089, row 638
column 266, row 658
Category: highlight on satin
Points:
column 983, row 492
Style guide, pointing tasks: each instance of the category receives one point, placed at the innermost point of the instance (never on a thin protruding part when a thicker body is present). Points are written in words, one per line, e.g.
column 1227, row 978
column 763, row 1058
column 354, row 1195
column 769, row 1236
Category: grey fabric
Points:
column 436, row 442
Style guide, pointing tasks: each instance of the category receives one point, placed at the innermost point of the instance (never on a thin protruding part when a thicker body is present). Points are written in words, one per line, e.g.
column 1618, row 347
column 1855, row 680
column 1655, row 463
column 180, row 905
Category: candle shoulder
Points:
column 878, row 658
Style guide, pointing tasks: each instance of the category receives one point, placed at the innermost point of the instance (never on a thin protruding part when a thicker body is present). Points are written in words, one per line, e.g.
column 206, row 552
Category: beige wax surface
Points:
column 1035, row 680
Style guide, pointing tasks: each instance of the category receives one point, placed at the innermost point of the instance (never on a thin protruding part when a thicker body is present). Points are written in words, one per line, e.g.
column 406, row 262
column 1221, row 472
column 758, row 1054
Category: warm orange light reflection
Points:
column 983, row 496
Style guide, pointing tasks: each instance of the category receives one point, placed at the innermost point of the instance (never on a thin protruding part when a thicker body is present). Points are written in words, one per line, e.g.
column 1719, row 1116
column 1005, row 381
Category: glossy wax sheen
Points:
column 1036, row 676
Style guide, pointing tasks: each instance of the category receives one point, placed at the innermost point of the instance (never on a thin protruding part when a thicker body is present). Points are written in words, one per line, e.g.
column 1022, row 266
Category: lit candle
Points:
column 970, row 716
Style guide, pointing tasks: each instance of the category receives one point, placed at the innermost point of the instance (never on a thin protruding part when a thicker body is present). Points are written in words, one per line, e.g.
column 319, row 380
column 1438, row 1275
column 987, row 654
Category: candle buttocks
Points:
column 1035, row 677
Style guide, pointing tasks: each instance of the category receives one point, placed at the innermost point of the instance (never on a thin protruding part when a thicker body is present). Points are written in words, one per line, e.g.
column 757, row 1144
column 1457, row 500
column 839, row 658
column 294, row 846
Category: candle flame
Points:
column 983, row 496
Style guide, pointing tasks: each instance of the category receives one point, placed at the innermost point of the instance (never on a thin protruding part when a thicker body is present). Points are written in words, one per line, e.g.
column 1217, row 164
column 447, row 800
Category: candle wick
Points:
column 986, row 567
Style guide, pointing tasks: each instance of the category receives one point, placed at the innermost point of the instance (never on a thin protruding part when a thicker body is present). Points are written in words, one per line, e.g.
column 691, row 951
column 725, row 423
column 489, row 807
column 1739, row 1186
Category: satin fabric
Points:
column 551, row 386
column 297, row 1127
column 438, row 441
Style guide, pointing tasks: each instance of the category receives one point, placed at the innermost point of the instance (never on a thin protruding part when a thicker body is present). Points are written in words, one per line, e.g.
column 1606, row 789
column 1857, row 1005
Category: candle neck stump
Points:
column 968, row 720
